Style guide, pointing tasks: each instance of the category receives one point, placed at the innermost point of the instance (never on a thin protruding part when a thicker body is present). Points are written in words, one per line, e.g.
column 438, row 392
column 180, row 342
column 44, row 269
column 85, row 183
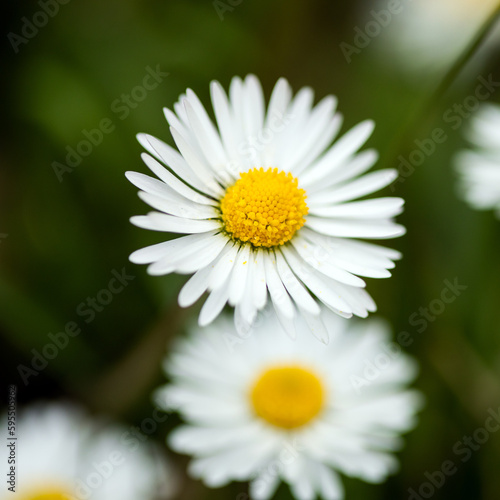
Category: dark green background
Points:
column 65, row 238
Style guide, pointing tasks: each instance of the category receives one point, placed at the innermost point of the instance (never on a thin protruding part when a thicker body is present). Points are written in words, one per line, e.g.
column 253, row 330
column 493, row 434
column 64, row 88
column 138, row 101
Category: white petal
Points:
column 299, row 294
column 357, row 165
column 378, row 208
column 343, row 148
column 294, row 120
column 223, row 267
column 156, row 252
column 197, row 163
column 172, row 159
column 319, row 284
column 203, row 440
column 355, row 257
column 356, row 228
column 253, row 105
column 238, row 278
column 328, row 134
column 205, row 133
column 195, row 287
column 369, row 183
column 319, row 260
column 300, row 477
column 315, row 324
column 194, row 261
column 214, row 304
column 279, row 295
column 264, row 486
column 225, row 123
column 181, row 125
column 173, row 182
column 321, row 115
column 239, row 128
column 235, row 464
column 168, row 223
column 246, row 309
column 195, row 255
column 259, row 286
column 180, row 110
column 150, row 184
column 276, row 119
column 178, row 206
column 330, row 486
column 280, row 98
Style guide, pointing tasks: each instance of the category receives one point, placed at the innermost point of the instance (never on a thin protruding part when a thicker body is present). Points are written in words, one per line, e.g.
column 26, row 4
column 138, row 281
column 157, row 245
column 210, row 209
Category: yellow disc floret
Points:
column 264, row 207
column 46, row 493
column 287, row 396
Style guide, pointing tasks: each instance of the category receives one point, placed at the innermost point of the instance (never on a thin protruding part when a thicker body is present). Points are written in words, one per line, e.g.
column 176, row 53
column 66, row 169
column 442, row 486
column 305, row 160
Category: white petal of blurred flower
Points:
column 266, row 411
column 62, row 453
column 431, row 34
column 268, row 205
column 479, row 168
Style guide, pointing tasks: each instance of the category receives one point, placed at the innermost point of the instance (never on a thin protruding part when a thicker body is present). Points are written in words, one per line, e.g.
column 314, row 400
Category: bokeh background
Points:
column 63, row 236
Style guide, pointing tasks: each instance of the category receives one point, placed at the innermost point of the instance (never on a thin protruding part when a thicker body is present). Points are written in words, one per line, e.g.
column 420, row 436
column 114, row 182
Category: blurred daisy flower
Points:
column 267, row 205
column 63, row 454
column 431, row 34
column 479, row 168
column 298, row 412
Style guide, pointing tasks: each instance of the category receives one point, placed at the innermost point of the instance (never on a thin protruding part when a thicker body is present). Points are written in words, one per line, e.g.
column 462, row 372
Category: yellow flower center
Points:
column 287, row 396
column 264, row 207
column 47, row 493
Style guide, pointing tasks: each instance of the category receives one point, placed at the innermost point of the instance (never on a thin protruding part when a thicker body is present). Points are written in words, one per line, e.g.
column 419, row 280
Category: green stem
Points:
column 468, row 54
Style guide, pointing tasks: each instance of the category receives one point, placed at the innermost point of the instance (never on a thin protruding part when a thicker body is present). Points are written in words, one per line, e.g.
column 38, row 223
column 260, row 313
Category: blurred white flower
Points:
column 431, row 34
column 297, row 411
column 267, row 203
column 62, row 454
column 479, row 168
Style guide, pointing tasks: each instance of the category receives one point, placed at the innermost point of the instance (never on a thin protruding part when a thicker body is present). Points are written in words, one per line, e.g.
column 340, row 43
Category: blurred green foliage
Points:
column 66, row 237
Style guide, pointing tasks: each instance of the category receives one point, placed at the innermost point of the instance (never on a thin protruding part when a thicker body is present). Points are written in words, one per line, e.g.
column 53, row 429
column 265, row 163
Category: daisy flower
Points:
column 266, row 204
column 431, row 34
column 299, row 411
column 479, row 168
column 62, row 454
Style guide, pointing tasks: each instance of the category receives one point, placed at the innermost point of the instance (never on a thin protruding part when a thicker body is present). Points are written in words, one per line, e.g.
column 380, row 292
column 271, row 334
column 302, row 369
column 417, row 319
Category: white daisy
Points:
column 479, row 168
column 297, row 411
column 62, row 454
column 431, row 34
column 267, row 205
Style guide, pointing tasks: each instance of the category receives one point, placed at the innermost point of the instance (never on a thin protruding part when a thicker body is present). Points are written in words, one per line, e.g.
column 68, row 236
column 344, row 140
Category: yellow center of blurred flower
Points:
column 287, row 396
column 47, row 493
column 264, row 207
